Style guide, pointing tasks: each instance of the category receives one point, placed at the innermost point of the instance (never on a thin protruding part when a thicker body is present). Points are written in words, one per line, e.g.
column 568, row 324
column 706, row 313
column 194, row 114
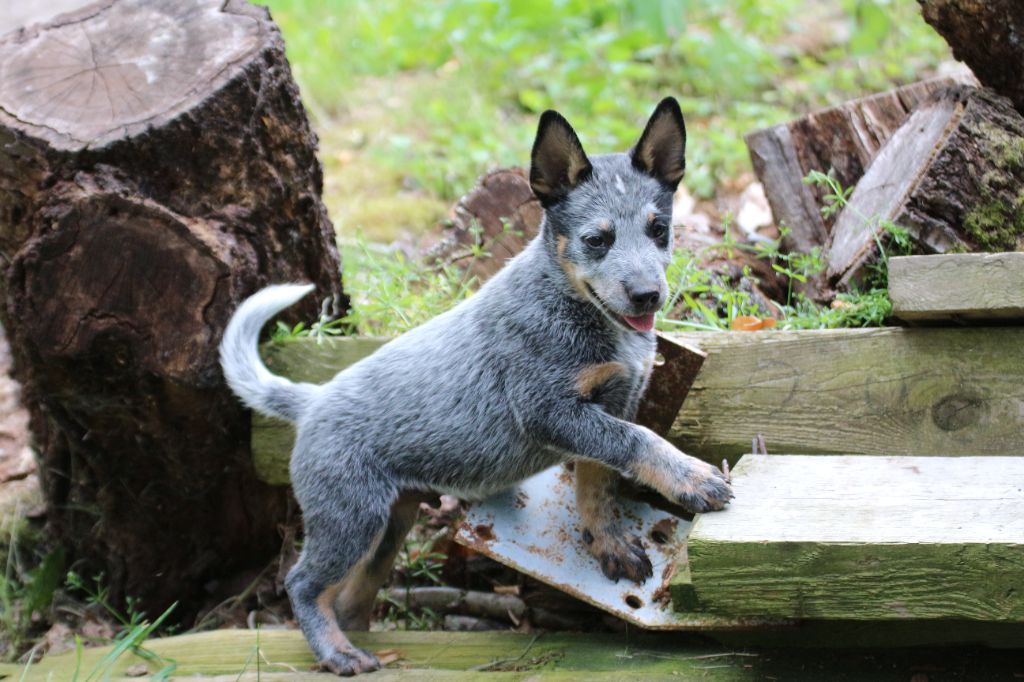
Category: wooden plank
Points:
column 968, row 286
column 231, row 655
column 864, row 538
column 859, row 391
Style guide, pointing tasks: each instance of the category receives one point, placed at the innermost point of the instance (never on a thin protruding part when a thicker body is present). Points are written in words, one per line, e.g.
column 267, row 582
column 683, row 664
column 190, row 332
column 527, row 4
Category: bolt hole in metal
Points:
column 659, row 359
column 659, row 537
column 633, row 601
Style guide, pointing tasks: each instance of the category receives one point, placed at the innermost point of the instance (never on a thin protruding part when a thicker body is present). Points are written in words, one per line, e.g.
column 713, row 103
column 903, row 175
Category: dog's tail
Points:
column 245, row 372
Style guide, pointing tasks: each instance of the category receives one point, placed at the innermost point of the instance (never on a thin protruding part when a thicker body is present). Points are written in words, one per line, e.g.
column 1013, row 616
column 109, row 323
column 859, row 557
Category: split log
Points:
column 962, row 286
column 863, row 538
column 500, row 215
column 843, row 140
column 951, row 175
column 987, row 36
column 156, row 167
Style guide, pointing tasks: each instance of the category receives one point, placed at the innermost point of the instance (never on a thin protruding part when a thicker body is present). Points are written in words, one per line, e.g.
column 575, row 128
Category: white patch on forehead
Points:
column 619, row 185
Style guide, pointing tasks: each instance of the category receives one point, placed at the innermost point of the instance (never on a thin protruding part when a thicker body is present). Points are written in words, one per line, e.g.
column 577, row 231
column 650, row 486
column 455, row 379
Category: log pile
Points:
column 156, row 167
column 939, row 160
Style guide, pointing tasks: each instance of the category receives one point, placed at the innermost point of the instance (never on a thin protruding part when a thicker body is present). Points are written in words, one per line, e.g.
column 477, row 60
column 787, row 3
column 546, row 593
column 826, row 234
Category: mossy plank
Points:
column 889, row 391
column 226, row 655
column 863, row 538
column 957, row 286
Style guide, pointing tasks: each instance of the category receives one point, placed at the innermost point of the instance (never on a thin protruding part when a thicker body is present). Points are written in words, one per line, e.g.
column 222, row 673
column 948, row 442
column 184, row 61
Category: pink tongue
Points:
column 641, row 323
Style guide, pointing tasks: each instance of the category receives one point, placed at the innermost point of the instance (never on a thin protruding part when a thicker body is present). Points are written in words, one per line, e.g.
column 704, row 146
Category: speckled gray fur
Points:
column 485, row 394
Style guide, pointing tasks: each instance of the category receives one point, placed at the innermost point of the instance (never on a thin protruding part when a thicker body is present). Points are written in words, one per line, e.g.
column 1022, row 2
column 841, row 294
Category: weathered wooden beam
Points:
column 862, row 391
column 968, row 286
column 283, row 655
column 950, row 176
column 842, row 139
column 864, row 538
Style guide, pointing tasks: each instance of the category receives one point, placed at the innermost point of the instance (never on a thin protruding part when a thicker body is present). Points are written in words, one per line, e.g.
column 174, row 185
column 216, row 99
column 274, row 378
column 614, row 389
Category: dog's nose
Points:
column 645, row 299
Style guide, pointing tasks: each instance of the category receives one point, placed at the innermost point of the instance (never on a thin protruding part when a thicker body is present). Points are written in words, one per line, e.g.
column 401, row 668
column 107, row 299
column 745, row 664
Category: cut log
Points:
column 964, row 286
column 843, row 140
column 861, row 391
column 500, row 216
column 156, row 167
column 951, row 175
column 987, row 36
column 864, row 538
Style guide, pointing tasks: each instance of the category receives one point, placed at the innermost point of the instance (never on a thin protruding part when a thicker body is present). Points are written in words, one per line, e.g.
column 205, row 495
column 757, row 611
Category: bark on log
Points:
column 500, row 214
column 843, row 139
column 988, row 36
column 156, row 167
column 951, row 175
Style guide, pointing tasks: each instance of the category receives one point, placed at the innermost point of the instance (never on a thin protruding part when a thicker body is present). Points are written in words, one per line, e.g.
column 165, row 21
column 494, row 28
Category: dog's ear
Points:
column 661, row 151
column 558, row 162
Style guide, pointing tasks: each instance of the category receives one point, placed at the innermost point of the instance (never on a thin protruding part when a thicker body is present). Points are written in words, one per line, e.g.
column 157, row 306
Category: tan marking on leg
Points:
column 592, row 377
column 653, row 468
column 620, row 554
column 359, row 589
column 595, row 486
column 325, row 602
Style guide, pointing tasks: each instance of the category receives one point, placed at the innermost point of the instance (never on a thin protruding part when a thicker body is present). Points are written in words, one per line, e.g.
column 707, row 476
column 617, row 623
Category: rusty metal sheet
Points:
column 675, row 369
column 534, row 528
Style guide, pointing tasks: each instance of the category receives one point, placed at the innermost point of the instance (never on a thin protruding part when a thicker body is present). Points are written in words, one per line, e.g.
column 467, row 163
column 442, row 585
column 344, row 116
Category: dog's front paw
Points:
column 620, row 555
column 700, row 487
column 350, row 662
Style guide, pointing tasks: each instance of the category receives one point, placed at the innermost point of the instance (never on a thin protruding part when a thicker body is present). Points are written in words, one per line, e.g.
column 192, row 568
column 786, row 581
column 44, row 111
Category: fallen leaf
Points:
column 749, row 323
column 386, row 656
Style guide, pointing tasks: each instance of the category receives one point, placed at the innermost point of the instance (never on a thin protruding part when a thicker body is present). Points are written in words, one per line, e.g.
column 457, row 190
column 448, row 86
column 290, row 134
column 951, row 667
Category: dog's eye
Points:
column 659, row 231
column 599, row 241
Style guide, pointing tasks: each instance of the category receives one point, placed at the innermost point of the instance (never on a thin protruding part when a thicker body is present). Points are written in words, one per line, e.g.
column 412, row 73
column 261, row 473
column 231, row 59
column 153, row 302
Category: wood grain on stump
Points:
column 841, row 140
column 156, row 167
column 500, row 214
column 951, row 175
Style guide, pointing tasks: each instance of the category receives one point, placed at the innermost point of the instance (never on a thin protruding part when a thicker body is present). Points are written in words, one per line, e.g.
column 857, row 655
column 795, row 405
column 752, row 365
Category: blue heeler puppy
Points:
column 544, row 365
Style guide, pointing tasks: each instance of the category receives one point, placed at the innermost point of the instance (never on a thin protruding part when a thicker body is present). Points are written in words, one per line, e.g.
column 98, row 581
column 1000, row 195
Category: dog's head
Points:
column 609, row 217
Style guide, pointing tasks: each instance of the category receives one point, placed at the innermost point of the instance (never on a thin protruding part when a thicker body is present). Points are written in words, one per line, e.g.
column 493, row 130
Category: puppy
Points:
column 544, row 365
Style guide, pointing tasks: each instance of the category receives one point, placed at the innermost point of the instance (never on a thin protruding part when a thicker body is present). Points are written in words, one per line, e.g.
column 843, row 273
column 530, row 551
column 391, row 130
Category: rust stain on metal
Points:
column 670, row 383
column 484, row 531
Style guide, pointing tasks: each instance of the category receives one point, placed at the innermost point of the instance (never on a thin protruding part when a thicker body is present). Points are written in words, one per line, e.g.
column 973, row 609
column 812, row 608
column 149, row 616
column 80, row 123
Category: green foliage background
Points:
column 415, row 100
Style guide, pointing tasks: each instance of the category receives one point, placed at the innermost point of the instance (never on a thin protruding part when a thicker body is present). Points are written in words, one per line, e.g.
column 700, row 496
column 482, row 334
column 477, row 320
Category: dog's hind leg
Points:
column 340, row 538
column 619, row 554
column 359, row 591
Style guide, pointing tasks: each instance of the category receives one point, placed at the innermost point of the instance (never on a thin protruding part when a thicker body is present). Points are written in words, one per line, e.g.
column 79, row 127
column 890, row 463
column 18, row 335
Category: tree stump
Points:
column 988, row 36
column 842, row 140
column 156, row 167
column 500, row 215
column 951, row 175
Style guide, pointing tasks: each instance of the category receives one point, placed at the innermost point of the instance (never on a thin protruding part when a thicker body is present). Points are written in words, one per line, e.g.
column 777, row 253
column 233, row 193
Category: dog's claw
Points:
column 350, row 663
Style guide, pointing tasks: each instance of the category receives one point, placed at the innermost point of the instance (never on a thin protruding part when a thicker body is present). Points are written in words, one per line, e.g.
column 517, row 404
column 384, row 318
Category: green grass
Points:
column 454, row 86
column 414, row 101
